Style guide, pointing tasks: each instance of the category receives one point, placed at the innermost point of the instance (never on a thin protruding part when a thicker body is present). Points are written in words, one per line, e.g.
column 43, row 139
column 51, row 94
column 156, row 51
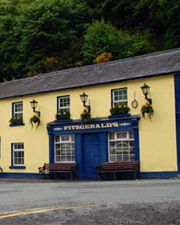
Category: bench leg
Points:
column 114, row 176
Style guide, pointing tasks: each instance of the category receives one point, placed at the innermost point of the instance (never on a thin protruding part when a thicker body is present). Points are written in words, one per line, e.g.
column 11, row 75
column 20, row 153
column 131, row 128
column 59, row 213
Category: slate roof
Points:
column 154, row 64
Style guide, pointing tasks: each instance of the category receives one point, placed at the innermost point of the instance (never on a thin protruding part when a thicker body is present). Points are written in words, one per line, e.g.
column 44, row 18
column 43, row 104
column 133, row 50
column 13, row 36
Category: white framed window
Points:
column 64, row 103
column 121, row 146
column 17, row 109
column 18, row 154
column 64, row 146
column 119, row 97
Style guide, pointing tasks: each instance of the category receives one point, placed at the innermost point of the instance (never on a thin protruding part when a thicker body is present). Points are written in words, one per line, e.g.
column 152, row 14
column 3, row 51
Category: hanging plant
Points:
column 35, row 120
column 147, row 109
column 85, row 116
column 119, row 109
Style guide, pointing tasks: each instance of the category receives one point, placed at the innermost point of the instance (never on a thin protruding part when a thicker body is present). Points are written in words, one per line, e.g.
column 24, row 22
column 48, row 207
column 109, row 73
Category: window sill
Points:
column 17, row 167
column 63, row 121
column 17, row 124
column 120, row 116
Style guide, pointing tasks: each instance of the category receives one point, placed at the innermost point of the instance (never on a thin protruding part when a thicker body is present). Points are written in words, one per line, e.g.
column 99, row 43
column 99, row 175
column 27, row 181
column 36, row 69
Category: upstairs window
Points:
column 17, row 109
column 119, row 97
column 64, row 103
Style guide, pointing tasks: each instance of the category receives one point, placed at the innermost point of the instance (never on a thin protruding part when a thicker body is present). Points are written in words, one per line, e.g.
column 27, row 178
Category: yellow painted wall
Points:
column 157, row 136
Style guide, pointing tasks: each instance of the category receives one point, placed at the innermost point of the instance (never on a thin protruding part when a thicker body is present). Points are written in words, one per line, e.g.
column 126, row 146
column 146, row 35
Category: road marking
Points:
column 42, row 210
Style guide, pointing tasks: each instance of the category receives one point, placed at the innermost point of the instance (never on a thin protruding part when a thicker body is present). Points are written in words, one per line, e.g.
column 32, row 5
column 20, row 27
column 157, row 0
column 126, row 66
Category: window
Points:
column 18, row 109
column 18, row 154
column 64, row 103
column 64, row 148
column 119, row 97
column 121, row 146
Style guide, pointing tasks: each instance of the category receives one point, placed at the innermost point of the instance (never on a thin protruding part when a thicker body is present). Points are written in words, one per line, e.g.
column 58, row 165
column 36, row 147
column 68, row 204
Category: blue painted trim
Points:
column 63, row 121
column 79, row 155
column 177, row 109
column 124, row 115
column 133, row 124
column 51, row 148
column 158, row 175
column 99, row 126
column 16, row 124
column 17, row 167
column 20, row 175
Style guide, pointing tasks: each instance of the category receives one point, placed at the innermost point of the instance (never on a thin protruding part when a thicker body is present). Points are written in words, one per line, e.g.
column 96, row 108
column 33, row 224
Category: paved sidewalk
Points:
column 146, row 202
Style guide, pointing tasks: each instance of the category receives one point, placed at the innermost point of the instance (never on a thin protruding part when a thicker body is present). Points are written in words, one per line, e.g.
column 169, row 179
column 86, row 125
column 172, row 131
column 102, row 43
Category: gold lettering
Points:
column 115, row 124
column 67, row 128
column 108, row 124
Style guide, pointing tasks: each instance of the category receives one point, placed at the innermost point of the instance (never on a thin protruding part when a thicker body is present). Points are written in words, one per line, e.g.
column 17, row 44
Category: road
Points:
column 145, row 202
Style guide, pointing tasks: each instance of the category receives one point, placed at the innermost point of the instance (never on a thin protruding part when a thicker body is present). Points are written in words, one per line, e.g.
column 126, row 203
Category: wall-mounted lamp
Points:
column 84, row 98
column 145, row 90
column 34, row 104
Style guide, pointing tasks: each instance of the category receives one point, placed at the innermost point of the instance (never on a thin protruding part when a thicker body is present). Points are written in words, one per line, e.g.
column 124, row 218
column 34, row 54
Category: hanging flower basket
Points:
column 147, row 109
column 85, row 116
column 35, row 120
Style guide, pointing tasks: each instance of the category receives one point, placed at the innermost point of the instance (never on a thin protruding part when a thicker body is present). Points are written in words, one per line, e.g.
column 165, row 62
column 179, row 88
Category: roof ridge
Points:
column 100, row 65
column 108, row 63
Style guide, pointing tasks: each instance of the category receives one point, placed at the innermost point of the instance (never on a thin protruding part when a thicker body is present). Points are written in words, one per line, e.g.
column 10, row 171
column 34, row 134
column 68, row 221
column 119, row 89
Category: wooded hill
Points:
column 38, row 36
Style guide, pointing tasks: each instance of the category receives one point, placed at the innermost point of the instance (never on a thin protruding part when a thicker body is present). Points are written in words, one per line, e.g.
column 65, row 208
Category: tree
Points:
column 37, row 30
column 103, row 37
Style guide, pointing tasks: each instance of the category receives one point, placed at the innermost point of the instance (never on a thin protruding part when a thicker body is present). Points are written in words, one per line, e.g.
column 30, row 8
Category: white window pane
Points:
column 65, row 149
column 122, row 147
column 111, row 136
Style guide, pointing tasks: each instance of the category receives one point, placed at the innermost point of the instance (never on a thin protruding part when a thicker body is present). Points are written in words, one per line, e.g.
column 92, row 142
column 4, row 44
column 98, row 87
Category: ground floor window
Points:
column 121, row 146
column 18, row 154
column 64, row 148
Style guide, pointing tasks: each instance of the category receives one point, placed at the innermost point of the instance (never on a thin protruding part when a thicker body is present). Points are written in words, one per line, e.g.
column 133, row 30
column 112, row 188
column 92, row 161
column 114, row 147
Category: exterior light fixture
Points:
column 34, row 104
column 84, row 98
column 145, row 90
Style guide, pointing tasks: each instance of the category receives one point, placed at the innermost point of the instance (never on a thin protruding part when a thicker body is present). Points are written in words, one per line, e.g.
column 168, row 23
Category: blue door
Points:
column 90, row 155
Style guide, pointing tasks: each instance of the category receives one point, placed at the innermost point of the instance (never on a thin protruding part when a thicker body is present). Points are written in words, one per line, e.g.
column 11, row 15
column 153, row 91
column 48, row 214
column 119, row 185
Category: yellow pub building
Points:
column 122, row 110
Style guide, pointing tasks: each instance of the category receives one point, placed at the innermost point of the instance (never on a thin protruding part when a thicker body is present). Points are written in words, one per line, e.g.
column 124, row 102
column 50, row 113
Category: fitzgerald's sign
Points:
column 94, row 126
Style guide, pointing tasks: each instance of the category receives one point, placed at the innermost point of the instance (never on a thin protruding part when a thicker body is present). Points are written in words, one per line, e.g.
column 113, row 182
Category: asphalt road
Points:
column 144, row 202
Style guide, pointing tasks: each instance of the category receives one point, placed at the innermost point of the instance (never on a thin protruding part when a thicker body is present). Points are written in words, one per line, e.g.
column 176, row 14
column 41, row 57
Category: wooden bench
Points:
column 58, row 168
column 118, row 167
column 1, row 171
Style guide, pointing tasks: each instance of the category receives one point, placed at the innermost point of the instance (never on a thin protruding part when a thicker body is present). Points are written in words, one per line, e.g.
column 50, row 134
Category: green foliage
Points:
column 103, row 37
column 119, row 109
column 35, row 120
column 147, row 109
column 85, row 116
column 16, row 120
column 42, row 36
column 63, row 115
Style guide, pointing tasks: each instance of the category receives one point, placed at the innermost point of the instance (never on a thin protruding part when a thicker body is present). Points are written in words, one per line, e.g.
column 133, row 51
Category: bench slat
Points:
column 119, row 167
